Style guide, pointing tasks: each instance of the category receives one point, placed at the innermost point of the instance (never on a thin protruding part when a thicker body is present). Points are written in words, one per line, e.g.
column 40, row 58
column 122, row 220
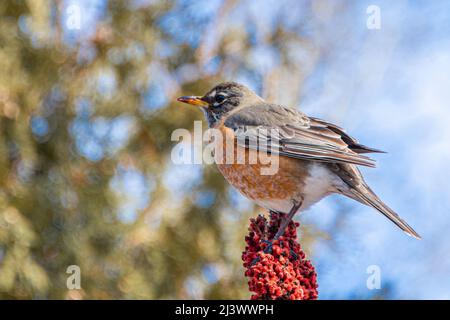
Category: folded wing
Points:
column 288, row 132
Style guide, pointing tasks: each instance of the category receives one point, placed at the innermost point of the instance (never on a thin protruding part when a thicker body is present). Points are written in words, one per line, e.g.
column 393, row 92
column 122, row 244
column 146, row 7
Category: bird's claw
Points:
column 268, row 250
column 269, row 247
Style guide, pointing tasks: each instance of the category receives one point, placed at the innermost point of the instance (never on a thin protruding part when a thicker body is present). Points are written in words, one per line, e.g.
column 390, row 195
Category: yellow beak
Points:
column 193, row 100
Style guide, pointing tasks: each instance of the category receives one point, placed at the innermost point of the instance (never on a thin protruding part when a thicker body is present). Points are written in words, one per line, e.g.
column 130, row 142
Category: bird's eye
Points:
column 220, row 98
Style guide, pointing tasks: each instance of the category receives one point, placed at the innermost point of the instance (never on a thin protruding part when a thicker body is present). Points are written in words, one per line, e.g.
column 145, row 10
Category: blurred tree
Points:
column 86, row 114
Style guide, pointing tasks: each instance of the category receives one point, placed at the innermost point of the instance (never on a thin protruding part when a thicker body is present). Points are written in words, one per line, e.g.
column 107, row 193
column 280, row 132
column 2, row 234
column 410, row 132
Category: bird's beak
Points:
column 195, row 101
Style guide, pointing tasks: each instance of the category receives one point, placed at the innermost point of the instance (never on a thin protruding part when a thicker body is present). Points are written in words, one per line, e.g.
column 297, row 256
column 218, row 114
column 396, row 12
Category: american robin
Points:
column 316, row 158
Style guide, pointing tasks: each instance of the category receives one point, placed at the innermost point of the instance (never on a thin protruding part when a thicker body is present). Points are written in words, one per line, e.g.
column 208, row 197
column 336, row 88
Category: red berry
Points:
column 282, row 274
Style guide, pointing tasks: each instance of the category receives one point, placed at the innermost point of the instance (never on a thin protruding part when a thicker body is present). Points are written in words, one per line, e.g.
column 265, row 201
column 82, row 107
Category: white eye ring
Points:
column 220, row 98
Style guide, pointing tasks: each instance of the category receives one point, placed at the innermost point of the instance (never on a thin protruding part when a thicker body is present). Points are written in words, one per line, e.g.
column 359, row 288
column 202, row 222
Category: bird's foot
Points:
column 269, row 249
column 293, row 254
column 270, row 246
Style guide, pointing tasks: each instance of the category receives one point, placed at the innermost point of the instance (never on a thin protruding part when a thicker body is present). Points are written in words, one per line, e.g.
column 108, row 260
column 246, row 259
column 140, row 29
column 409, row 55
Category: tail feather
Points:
column 365, row 195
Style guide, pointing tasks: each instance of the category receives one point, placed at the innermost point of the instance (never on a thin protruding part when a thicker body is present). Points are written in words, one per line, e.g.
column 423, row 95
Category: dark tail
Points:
column 366, row 196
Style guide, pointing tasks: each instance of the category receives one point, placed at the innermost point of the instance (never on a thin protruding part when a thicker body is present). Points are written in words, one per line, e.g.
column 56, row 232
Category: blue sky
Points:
column 394, row 82
column 389, row 88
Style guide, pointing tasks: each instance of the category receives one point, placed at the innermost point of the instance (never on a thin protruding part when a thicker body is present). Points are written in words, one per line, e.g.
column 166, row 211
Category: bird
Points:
column 316, row 158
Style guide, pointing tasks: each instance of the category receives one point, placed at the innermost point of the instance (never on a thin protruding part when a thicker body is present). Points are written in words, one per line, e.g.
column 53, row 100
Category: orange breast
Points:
column 246, row 175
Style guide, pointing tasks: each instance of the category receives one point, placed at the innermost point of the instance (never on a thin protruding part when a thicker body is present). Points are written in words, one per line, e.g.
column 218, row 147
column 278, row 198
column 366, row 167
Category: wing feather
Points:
column 290, row 133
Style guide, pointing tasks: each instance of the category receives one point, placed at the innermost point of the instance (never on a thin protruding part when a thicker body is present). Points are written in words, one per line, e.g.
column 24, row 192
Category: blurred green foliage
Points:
column 60, row 168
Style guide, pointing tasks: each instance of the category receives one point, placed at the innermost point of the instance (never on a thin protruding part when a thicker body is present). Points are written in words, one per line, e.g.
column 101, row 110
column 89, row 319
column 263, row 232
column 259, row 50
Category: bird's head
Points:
column 221, row 100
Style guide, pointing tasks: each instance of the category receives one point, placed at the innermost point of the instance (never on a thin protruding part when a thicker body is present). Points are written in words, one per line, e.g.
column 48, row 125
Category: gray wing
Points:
column 288, row 132
column 352, row 143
